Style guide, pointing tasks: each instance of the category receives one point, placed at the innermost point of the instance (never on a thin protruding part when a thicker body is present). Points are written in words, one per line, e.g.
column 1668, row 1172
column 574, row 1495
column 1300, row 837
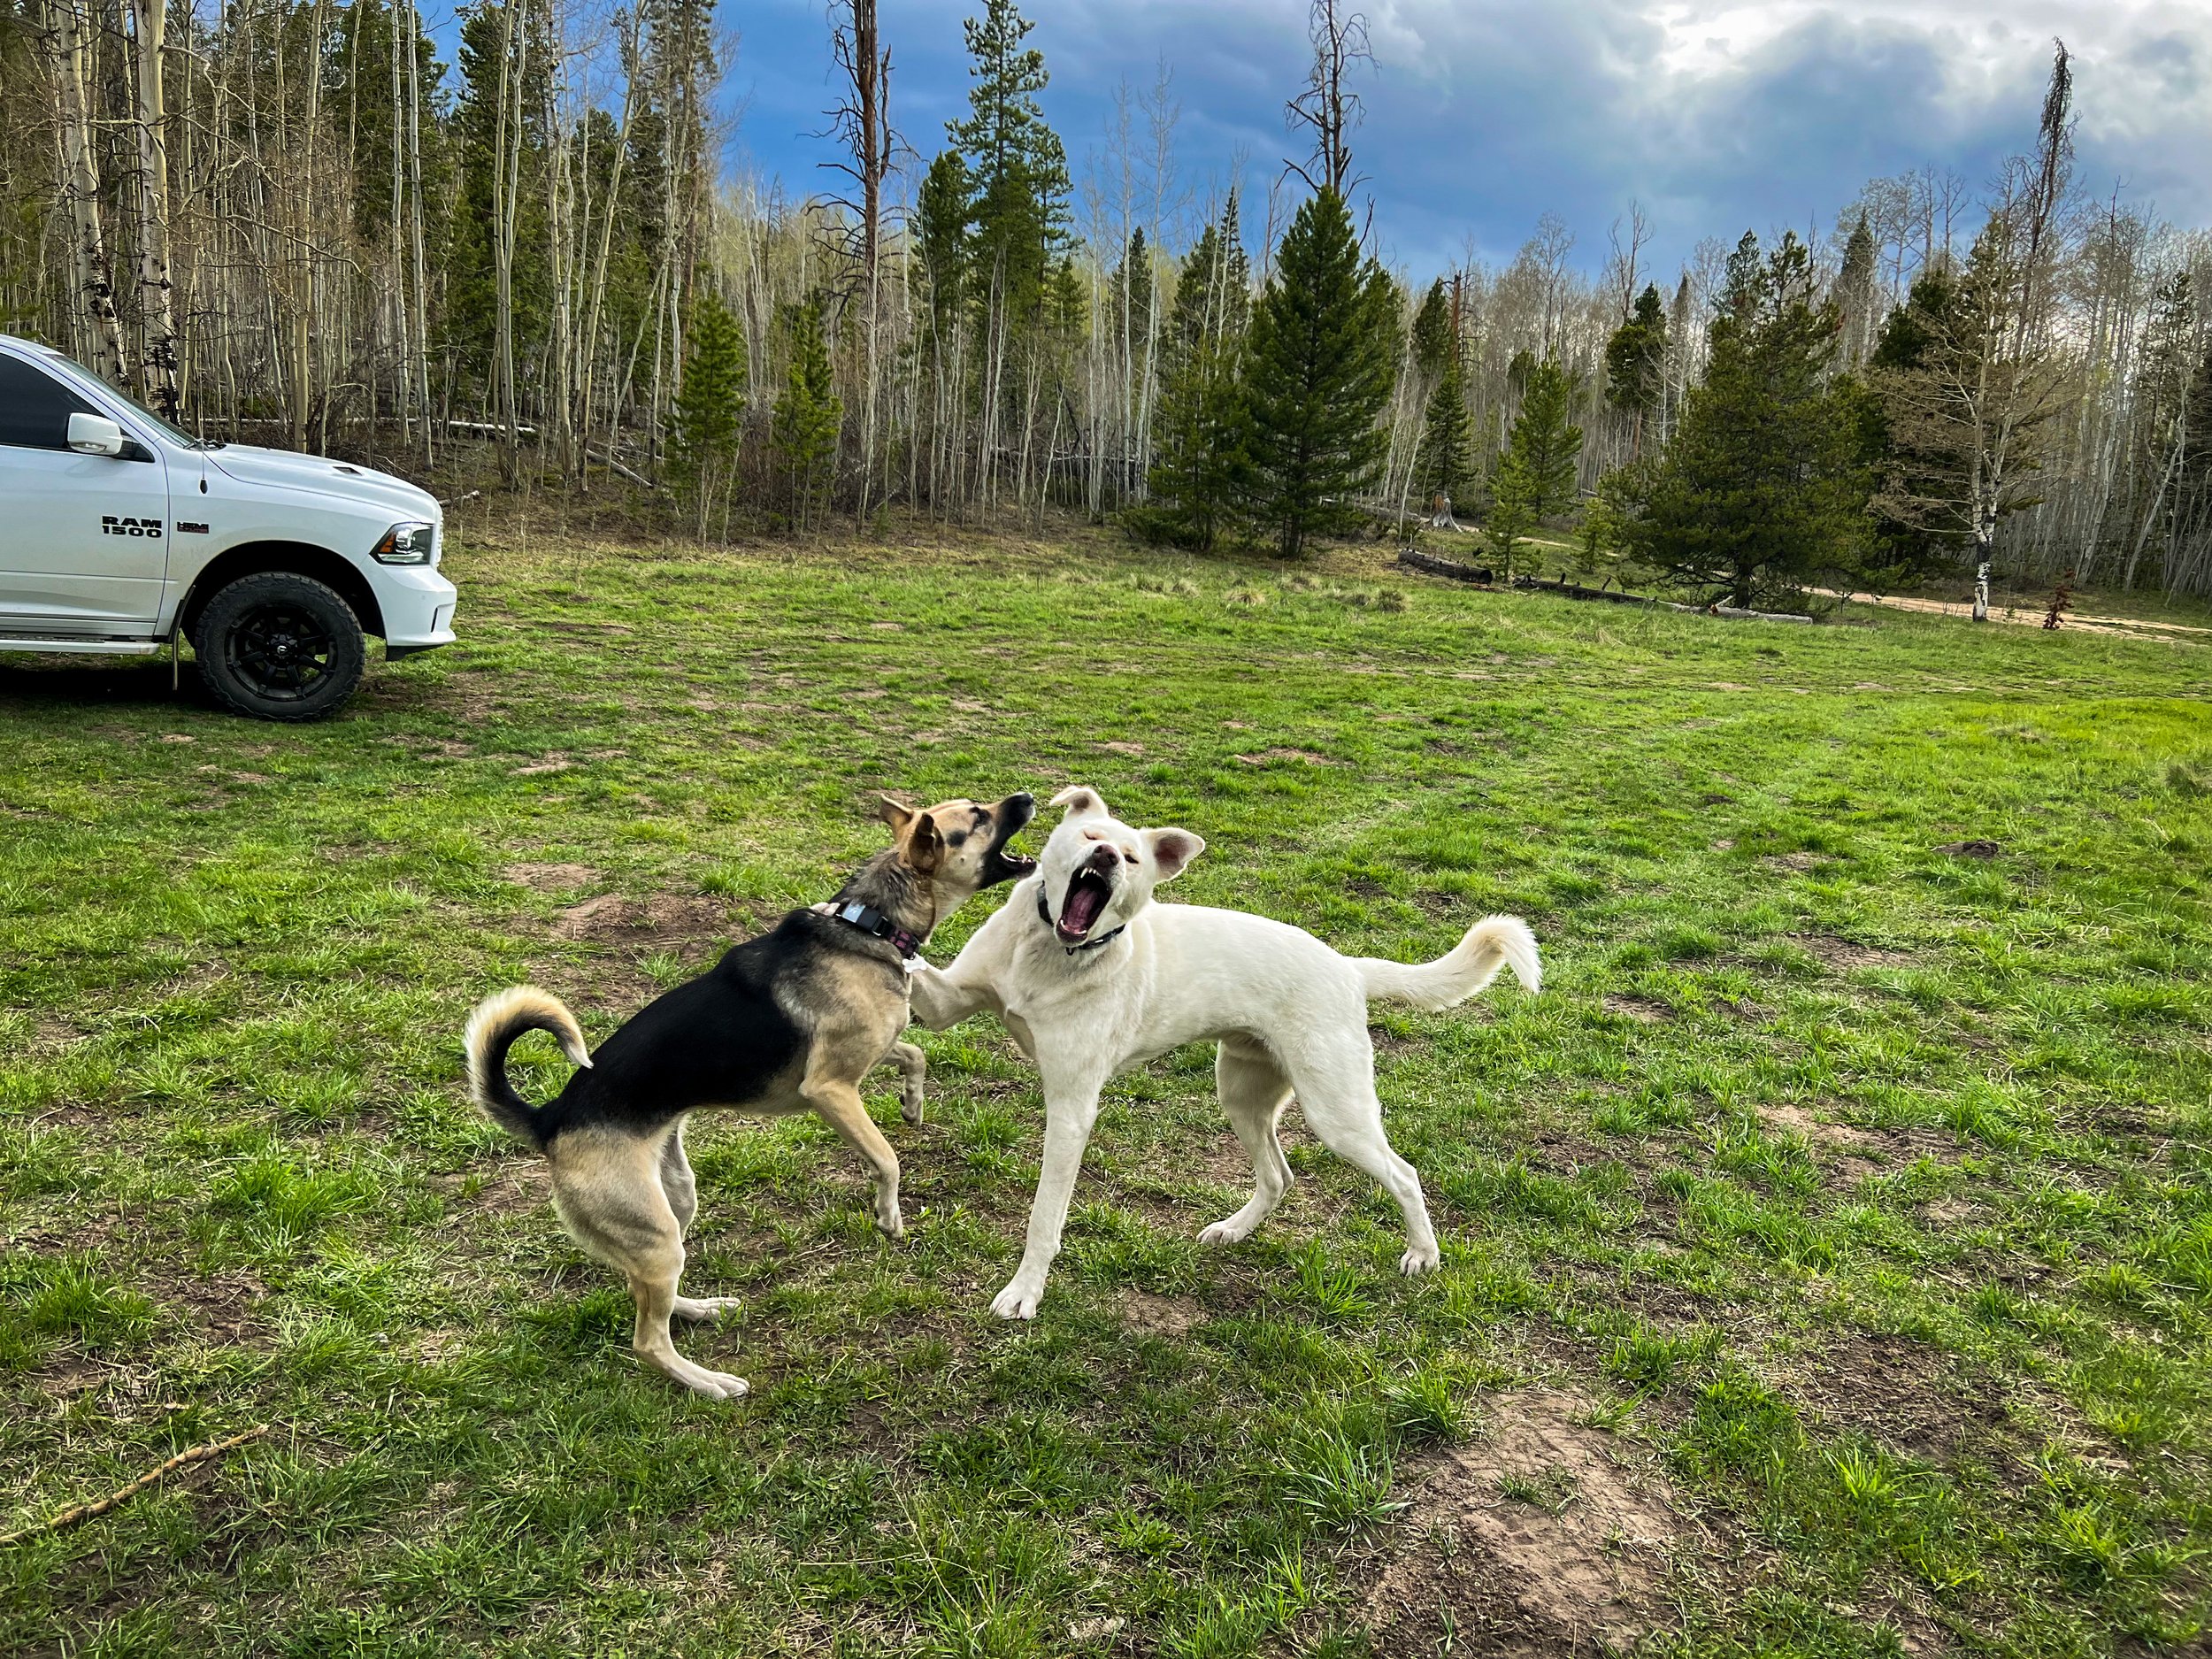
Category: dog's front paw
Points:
column 704, row 1306
column 1018, row 1301
column 713, row 1385
column 892, row 1223
column 910, row 1101
column 1418, row 1261
column 1223, row 1234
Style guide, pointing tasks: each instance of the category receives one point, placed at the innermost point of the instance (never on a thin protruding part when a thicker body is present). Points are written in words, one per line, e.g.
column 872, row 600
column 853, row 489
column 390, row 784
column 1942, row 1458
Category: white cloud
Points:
column 1718, row 114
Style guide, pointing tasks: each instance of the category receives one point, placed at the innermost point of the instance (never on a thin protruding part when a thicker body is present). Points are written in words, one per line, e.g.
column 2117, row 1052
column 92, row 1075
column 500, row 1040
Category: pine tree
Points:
column 943, row 212
column 1323, row 355
column 1763, row 484
column 493, row 32
column 1546, row 446
column 1636, row 363
column 1509, row 518
column 1432, row 341
column 1198, row 430
column 707, row 422
column 1129, row 290
column 1898, row 552
column 1232, row 315
column 808, row 413
column 1017, row 165
column 1446, row 458
column 1854, row 295
column 1598, row 537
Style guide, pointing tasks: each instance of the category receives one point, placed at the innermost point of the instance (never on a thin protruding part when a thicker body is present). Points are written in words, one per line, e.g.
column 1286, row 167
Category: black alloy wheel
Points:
column 280, row 645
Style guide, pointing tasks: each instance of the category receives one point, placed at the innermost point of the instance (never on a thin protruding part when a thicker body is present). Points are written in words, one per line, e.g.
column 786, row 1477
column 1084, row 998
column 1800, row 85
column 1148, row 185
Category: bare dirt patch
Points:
column 1859, row 1151
column 1305, row 756
column 1895, row 1390
column 1794, row 861
column 552, row 878
column 518, row 1185
column 1642, row 1009
column 664, row 919
column 51, row 1035
column 1160, row 1316
column 1546, row 1537
column 226, row 1307
column 1948, row 1211
column 1819, row 1131
column 1843, row 954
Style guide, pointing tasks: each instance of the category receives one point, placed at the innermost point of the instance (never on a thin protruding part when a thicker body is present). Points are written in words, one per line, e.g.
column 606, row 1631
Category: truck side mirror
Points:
column 95, row 435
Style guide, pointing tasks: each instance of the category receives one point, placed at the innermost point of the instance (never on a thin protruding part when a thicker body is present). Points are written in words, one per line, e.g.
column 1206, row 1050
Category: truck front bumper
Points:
column 418, row 606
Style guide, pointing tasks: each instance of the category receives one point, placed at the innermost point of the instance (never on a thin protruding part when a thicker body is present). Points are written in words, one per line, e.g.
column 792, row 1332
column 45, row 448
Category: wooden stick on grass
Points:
column 85, row 1511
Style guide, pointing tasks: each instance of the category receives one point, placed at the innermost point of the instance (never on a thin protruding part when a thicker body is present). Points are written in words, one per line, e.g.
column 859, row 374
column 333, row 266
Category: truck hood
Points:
column 283, row 469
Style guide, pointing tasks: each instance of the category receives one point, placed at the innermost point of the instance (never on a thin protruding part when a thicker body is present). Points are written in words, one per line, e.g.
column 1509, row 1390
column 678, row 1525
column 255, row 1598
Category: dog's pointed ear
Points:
column 893, row 813
column 925, row 846
column 1081, row 801
column 1173, row 849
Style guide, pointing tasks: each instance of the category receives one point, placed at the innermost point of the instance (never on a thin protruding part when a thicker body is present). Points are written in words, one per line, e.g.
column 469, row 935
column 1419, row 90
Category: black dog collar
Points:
column 873, row 922
column 1044, row 914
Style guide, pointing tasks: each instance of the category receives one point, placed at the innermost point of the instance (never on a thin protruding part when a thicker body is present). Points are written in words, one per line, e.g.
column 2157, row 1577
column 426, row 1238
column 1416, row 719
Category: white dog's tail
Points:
column 1494, row 942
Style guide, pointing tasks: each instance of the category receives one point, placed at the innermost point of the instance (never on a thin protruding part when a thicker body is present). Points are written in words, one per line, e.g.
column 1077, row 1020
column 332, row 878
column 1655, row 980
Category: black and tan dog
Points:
column 788, row 1022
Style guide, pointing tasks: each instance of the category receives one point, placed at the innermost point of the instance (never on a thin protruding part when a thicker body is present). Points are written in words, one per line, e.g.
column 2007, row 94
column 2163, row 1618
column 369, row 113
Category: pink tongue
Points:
column 1084, row 903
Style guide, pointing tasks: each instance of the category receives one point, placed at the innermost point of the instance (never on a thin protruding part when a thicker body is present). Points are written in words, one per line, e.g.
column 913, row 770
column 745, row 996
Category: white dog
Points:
column 1091, row 979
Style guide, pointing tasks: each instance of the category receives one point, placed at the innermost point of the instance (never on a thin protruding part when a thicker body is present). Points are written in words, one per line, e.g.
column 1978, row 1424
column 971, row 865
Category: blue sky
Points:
column 1718, row 116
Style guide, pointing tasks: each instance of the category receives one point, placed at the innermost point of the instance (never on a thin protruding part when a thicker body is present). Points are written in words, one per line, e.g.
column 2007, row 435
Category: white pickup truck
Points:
column 120, row 535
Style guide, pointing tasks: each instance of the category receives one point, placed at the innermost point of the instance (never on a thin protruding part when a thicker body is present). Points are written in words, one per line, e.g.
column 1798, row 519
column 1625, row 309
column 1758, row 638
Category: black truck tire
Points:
column 280, row 646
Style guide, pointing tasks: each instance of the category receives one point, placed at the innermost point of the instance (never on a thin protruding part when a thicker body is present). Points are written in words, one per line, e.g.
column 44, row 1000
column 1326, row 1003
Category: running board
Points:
column 78, row 647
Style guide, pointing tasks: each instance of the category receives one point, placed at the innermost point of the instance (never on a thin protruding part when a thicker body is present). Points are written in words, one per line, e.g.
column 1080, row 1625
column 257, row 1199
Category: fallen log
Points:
column 1480, row 574
column 620, row 471
column 490, row 429
column 1575, row 590
column 1748, row 616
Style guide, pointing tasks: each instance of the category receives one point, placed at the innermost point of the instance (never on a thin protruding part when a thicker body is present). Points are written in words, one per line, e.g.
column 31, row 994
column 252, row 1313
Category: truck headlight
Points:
column 409, row 543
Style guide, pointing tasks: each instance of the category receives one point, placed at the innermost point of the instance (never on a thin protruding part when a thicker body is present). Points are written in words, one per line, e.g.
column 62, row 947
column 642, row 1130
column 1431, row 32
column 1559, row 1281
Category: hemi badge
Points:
column 190, row 529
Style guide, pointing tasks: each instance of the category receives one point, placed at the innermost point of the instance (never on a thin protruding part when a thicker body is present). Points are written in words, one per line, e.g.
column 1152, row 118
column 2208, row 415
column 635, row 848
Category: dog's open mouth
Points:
column 1002, row 863
column 1089, row 894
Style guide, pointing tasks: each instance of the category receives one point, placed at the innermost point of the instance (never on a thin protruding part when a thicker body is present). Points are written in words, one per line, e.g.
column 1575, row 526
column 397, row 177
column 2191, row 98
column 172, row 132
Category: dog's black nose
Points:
column 1024, row 805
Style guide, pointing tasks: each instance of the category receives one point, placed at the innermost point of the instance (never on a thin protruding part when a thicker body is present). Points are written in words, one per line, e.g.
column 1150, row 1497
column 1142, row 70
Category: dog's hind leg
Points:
column 609, row 1191
column 1337, row 1094
column 913, row 1074
column 1254, row 1091
column 682, row 1188
column 678, row 1181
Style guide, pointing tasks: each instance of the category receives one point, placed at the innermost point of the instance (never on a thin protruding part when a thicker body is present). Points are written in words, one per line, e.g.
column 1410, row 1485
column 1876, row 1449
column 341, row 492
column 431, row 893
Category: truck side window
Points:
column 34, row 407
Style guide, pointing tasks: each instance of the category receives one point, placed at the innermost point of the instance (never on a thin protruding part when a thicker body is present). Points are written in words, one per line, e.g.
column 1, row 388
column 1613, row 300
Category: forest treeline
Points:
column 288, row 222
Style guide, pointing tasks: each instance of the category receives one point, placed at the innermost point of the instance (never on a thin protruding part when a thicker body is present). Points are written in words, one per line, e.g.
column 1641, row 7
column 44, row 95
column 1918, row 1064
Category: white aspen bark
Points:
column 416, row 236
column 311, row 333
column 506, row 174
column 101, row 342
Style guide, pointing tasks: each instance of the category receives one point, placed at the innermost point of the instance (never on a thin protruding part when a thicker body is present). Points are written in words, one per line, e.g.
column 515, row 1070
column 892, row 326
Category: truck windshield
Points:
column 169, row 427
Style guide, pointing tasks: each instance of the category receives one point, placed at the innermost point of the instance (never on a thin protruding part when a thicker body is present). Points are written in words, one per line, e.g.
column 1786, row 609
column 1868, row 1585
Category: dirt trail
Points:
column 2126, row 627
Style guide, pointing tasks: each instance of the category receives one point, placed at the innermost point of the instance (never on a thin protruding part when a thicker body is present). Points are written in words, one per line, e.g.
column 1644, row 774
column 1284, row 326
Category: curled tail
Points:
column 494, row 1025
column 1494, row 942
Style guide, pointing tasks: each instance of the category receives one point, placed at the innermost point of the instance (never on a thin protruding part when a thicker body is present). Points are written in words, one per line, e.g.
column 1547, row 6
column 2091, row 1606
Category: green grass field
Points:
column 1828, row 1250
